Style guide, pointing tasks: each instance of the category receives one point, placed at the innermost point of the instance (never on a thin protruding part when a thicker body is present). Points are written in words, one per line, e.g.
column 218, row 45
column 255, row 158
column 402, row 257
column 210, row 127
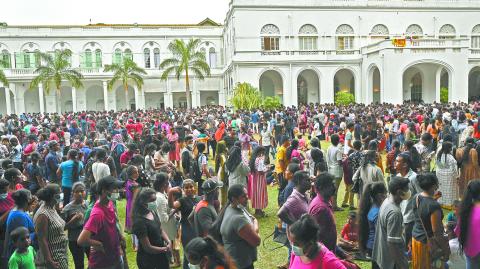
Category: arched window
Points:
column 88, row 58
column 98, row 58
column 308, row 37
column 212, row 57
column 379, row 32
column 156, row 57
column 476, row 37
column 414, row 30
column 146, row 57
column 5, row 59
column 447, row 31
column 270, row 38
column 345, row 37
column 128, row 54
column 117, row 57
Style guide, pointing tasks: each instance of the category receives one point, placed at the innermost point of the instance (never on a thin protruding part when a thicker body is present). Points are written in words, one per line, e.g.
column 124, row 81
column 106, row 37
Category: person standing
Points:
column 389, row 245
column 50, row 229
column 239, row 229
column 51, row 162
column 220, row 170
column 281, row 167
column 321, row 210
column 101, row 231
column 334, row 162
column 205, row 213
column 447, row 173
column 467, row 228
column 237, row 168
column 428, row 226
column 467, row 159
column 69, row 171
column 259, row 195
column 154, row 242
column 266, row 139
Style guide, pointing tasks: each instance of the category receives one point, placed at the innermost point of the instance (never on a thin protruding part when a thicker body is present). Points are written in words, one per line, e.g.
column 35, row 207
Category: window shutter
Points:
column 98, row 58
column 35, row 59
column 19, row 63
column 82, row 59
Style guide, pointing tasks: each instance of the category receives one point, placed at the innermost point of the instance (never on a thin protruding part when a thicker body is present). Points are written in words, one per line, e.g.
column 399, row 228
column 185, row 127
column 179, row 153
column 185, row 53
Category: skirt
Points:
column 421, row 257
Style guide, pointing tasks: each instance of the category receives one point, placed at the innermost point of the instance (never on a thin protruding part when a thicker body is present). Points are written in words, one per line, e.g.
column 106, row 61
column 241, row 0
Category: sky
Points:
column 80, row 12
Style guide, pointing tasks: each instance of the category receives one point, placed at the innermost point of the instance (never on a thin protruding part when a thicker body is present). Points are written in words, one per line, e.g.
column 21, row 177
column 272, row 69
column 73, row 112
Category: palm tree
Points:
column 3, row 77
column 55, row 69
column 186, row 59
column 125, row 72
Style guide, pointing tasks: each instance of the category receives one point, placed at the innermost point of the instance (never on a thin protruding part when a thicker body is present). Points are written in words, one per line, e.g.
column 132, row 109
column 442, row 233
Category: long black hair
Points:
column 293, row 145
column 368, row 199
column 140, row 209
column 445, row 150
column 73, row 155
column 470, row 197
column 200, row 247
column 469, row 144
column 234, row 158
column 258, row 151
column 415, row 157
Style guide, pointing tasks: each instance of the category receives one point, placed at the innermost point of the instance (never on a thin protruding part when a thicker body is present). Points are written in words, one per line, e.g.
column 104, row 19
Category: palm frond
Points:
column 111, row 67
column 169, row 62
column 3, row 78
column 167, row 72
column 198, row 73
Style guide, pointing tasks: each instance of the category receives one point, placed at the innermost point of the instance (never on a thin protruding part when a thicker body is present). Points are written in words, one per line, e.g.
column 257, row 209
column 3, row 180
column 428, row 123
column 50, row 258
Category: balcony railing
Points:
column 430, row 44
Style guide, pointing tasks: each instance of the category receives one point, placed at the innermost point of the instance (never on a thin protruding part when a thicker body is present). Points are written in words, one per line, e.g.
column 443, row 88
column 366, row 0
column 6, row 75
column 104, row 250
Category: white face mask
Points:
column 194, row 266
column 298, row 251
column 406, row 195
column 114, row 196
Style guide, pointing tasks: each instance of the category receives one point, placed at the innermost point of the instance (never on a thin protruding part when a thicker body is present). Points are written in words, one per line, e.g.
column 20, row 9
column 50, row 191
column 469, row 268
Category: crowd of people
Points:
column 198, row 179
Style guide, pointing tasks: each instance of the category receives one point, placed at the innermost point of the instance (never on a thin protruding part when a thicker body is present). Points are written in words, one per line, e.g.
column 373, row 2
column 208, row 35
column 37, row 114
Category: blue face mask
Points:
column 298, row 251
column 3, row 196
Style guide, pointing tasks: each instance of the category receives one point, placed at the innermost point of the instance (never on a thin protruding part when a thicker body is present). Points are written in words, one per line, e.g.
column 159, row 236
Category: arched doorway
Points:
column 271, row 84
column 3, row 102
column 65, row 101
column 424, row 82
column 376, row 86
column 94, row 94
column 474, row 84
column 307, row 87
column 32, row 101
column 344, row 81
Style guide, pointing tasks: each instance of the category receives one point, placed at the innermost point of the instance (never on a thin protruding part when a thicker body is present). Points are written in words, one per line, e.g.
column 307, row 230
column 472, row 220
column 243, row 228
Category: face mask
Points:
column 3, row 196
column 58, row 198
column 298, row 251
column 114, row 196
column 152, row 206
column 194, row 266
column 406, row 195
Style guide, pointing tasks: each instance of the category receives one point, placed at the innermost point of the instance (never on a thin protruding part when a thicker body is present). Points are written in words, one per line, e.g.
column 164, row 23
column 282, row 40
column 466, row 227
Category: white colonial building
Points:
column 302, row 51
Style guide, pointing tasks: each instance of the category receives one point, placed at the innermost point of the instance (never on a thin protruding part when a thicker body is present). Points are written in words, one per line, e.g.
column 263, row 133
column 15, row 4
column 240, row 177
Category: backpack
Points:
column 197, row 171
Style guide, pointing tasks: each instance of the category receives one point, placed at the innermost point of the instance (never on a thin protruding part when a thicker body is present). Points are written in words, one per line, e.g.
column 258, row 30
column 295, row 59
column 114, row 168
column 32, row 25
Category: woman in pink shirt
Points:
column 307, row 253
column 467, row 228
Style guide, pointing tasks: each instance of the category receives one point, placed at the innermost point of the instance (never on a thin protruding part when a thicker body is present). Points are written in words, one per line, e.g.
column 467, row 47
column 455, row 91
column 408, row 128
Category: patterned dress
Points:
column 56, row 237
column 447, row 174
column 129, row 191
column 259, row 185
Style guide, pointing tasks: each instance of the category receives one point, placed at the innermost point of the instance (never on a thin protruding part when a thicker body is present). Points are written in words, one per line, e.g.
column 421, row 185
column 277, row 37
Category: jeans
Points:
column 187, row 235
column 267, row 154
column 67, row 193
column 78, row 254
column 473, row 262
column 408, row 233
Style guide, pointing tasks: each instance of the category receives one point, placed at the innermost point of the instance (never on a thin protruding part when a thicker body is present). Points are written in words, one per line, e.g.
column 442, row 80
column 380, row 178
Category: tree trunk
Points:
column 127, row 103
column 187, row 90
column 59, row 100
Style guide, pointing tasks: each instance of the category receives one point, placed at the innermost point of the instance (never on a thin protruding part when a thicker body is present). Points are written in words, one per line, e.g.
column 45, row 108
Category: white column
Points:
column 293, row 97
column 7, row 100
column 194, row 92
column 74, row 99
column 168, row 96
column 105, row 95
column 138, row 104
column 40, row 97
column 437, row 84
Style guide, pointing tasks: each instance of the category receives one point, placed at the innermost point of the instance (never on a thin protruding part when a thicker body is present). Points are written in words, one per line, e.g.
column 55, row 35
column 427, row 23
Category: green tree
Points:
column 186, row 59
column 55, row 69
column 344, row 98
column 245, row 96
column 3, row 77
column 125, row 72
column 444, row 95
column 271, row 102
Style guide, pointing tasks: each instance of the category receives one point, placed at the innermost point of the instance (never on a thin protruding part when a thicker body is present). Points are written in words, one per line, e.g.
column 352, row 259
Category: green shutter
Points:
column 34, row 59
column 18, row 60
column 26, row 60
column 98, row 59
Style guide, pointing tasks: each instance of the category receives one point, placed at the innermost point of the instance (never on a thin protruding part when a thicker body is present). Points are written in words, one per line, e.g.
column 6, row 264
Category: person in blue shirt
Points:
column 86, row 149
column 18, row 217
column 74, row 130
column 254, row 118
column 69, row 171
column 51, row 161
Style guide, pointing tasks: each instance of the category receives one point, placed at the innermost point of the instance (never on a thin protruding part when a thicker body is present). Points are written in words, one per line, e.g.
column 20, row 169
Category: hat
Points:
column 108, row 182
column 211, row 184
column 52, row 144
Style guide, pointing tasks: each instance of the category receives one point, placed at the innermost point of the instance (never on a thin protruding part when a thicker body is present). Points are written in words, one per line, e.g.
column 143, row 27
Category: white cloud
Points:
column 61, row 12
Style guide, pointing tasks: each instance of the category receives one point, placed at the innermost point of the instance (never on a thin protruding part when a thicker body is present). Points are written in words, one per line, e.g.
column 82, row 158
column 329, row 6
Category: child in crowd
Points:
column 453, row 215
column 24, row 255
column 349, row 235
column 457, row 258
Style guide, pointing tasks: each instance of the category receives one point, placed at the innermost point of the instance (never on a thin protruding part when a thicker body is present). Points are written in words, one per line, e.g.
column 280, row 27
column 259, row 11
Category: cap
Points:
column 52, row 144
column 211, row 184
column 108, row 182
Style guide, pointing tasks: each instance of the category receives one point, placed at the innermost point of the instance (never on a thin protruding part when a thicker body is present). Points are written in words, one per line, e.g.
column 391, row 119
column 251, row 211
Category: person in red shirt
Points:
column 127, row 155
column 476, row 131
column 130, row 126
column 349, row 235
column 139, row 127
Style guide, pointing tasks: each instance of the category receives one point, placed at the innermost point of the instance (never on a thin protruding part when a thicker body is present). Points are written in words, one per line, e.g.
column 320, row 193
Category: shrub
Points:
column 444, row 95
column 344, row 98
column 271, row 102
column 245, row 96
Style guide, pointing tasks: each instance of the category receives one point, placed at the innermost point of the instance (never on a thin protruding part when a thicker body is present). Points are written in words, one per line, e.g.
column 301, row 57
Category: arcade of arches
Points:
column 423, row 81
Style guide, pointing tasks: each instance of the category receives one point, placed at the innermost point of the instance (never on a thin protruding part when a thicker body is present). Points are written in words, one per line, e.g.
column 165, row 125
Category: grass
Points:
column 267, row 258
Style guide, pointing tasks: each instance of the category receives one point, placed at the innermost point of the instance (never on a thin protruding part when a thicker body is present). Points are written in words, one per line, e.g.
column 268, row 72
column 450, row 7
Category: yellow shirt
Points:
column 281, row 155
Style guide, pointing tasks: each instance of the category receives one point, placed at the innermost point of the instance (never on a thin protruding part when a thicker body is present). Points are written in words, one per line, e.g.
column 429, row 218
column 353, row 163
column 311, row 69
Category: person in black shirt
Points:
column 154, row 242
column 185, row 206
column 368, row 134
